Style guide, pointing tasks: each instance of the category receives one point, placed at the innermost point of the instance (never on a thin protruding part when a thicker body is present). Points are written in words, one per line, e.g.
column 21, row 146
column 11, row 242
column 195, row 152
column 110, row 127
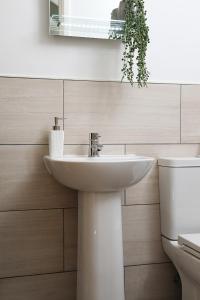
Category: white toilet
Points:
column 179, row 181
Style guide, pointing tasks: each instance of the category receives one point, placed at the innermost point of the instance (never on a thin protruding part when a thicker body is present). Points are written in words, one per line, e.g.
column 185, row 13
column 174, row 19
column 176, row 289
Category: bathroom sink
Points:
column 99, row 181
column 98, row 174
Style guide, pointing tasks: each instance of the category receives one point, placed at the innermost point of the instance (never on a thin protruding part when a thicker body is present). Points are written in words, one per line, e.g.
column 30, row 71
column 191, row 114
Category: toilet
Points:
column 179, row 183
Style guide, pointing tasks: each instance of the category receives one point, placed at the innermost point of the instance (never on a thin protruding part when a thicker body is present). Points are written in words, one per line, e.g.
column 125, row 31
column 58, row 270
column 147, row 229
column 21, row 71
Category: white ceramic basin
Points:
column 98, row 174
column 100, row 244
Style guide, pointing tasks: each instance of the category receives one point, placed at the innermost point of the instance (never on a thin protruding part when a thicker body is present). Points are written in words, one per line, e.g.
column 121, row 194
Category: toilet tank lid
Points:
column 179, row 162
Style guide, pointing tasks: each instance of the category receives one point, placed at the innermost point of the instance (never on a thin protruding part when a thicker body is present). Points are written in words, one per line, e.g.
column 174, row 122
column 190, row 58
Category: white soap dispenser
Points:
column 56, row 140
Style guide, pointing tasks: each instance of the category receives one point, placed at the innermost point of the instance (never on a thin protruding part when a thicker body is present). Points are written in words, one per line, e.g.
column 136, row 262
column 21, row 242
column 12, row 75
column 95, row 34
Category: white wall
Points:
column 27, row 50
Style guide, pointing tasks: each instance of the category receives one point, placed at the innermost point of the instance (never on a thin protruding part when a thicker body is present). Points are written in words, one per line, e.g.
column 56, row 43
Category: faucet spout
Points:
column 94, row 146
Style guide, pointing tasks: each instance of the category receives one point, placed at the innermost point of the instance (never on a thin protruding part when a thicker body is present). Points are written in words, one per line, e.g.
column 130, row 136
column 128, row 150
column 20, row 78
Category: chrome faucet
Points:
column 94, row 146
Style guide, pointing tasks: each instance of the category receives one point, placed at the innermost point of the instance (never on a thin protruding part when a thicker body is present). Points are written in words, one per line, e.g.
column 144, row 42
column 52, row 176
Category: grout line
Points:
column 74, row 271
column 63, row 113
column 130, row 144
column 37, row 209
column 142, row 204
column 73, row 207
column 124, row 197
column 156, row 263
column 36, row 77
column 180, row 114
column 136, row 144
column 23, row 144
column 43, row 77
column 125, row 152
column 63, row 240
column 36, row 274
column 125, row 149
column 124, row 280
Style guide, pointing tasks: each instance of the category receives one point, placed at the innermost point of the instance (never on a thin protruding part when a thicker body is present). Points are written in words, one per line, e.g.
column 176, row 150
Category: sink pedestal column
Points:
column 100, row 247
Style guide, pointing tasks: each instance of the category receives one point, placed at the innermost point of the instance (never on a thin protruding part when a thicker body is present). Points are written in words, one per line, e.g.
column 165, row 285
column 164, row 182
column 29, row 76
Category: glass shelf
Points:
column 85, row 27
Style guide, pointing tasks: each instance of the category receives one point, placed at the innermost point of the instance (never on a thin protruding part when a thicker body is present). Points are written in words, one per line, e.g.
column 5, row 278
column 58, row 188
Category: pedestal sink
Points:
column 99, row 181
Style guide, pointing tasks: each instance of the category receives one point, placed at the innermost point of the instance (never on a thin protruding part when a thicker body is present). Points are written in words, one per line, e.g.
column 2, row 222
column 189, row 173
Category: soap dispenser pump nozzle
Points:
column 56, row 126
column 56, row 123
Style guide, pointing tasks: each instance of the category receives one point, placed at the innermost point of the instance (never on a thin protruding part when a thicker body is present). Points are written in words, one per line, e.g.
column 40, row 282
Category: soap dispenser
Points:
column 56, row 140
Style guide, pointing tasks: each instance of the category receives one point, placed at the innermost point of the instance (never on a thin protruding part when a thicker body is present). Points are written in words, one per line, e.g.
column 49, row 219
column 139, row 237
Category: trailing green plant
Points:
column 135, row 38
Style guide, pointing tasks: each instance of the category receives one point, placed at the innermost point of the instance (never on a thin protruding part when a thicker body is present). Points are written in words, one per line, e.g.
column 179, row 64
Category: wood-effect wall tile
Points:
column 25, row 182
column 70, row 239
column 60, row 286
column 122, row 114
column 152, row 282
column 190, row 111
column 27, row 108
column 147, row 191
column 31, row 242
column 141, row 235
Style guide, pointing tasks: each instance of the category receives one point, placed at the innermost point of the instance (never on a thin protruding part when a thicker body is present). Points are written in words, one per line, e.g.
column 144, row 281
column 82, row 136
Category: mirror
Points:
column 89, row 18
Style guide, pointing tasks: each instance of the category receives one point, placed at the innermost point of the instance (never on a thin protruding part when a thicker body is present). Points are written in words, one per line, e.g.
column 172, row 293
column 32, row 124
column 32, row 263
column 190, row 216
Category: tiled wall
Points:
column 38, row 217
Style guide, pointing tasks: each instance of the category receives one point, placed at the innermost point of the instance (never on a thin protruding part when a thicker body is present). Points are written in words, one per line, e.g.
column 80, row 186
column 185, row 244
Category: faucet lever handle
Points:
column 94, row 136
column 100, row 147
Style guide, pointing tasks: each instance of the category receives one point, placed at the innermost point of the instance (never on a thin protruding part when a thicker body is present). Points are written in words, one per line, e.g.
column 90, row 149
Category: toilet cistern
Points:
column 179, row 182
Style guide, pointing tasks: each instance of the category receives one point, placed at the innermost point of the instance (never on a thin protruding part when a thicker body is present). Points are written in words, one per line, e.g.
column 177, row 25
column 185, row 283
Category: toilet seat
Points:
column 190, row 243
column 187, row 265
